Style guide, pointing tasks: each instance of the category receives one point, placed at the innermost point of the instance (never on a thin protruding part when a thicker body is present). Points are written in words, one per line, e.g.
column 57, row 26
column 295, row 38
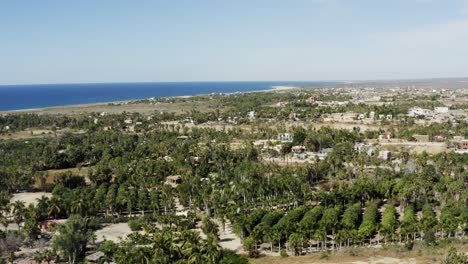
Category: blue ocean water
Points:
column 16, row 97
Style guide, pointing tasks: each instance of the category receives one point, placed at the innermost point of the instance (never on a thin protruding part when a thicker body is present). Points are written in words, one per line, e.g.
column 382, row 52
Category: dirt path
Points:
column 228, row 239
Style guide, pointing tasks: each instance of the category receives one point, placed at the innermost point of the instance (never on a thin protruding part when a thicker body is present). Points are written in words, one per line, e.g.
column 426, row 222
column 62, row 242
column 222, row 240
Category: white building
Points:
column 417, row 111
column 441, row 110
column 384, row 155
column 285, row 137
column 251, row 114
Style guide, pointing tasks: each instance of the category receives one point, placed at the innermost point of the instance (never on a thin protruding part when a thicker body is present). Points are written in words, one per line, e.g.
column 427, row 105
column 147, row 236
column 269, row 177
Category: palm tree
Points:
column 3, row 219
column 18, row 210
column 54, row 207
column 211, row 251
column 78, row 205
column 167, row 198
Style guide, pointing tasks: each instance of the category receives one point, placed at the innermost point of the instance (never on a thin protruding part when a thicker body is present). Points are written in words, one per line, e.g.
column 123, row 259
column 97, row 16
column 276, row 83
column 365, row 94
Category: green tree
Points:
column 296, row 242
column 72, row 238
column 389, row 222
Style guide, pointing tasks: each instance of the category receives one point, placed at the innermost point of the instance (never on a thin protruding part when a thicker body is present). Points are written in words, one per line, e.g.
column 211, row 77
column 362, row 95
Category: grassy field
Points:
column 50, row 175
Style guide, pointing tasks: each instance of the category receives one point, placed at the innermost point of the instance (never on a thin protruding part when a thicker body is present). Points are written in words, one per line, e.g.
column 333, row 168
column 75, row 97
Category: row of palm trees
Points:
column 318, row 227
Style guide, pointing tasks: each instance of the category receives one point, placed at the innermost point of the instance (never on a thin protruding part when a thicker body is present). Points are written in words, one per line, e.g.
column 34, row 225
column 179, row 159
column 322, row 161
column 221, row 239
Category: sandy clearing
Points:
column 340, row 260
column 29, row 197
column 113, row 232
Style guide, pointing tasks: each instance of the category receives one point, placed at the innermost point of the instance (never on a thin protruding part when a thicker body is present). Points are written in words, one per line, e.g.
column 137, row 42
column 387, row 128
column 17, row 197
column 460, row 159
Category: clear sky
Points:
column 60, row 41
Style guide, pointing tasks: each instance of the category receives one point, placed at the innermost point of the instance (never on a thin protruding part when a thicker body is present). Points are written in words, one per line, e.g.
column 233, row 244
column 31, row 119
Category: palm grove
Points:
column 348, row 199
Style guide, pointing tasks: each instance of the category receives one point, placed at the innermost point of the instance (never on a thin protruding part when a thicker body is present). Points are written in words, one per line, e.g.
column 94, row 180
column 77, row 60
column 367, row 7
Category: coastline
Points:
column 128, row 102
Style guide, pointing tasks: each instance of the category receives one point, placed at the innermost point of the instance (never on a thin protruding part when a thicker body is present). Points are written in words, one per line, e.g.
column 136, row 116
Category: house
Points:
column 372, row 115
column 107, row 128
column 381, row 117
column 173, row 180
column 385, row 136
column 389, row 117
column 285, row 137
column 463, row 144
column 259, row 143
column 128, row 121
column 440, row 110
column 417, row 111
column 359, row 146
column 360, row 116
column 311, row 100
column 385, row 155
column 188, row 120
column 362, row 147
column 251, row 114
column 297, row 149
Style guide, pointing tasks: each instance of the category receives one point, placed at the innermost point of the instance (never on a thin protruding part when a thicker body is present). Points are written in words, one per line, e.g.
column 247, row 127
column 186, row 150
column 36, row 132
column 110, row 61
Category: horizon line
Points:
column 239, row 81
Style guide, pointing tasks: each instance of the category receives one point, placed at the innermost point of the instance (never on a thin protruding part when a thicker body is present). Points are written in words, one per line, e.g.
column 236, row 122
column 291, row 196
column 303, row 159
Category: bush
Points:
column 409, row 245
column 135, row 224
column 284, row 253
column 230, row 257
column 429, row 238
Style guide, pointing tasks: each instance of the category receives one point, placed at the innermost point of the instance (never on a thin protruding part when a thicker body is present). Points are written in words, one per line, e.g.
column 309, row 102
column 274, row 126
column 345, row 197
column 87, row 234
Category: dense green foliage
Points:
column 349, row 198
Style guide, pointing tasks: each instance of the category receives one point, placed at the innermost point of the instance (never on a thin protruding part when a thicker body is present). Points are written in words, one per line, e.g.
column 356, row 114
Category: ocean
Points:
column 17, row 97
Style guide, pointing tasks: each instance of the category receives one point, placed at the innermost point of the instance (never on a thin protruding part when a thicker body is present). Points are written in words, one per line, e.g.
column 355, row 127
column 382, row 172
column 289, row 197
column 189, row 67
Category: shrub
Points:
column 135, row 224
column 284, row 253
column 429, row 238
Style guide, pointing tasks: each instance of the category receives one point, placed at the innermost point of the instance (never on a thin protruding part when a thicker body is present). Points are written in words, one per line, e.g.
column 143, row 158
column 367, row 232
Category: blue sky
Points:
column 60, row 41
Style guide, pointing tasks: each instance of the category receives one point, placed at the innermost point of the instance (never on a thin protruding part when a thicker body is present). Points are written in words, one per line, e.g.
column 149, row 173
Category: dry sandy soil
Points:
column 50, row 175
column 228, row 239
column 342, row 260
column 29, row 197
column 416, row 147
column 114, row 232
column 38, row 133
